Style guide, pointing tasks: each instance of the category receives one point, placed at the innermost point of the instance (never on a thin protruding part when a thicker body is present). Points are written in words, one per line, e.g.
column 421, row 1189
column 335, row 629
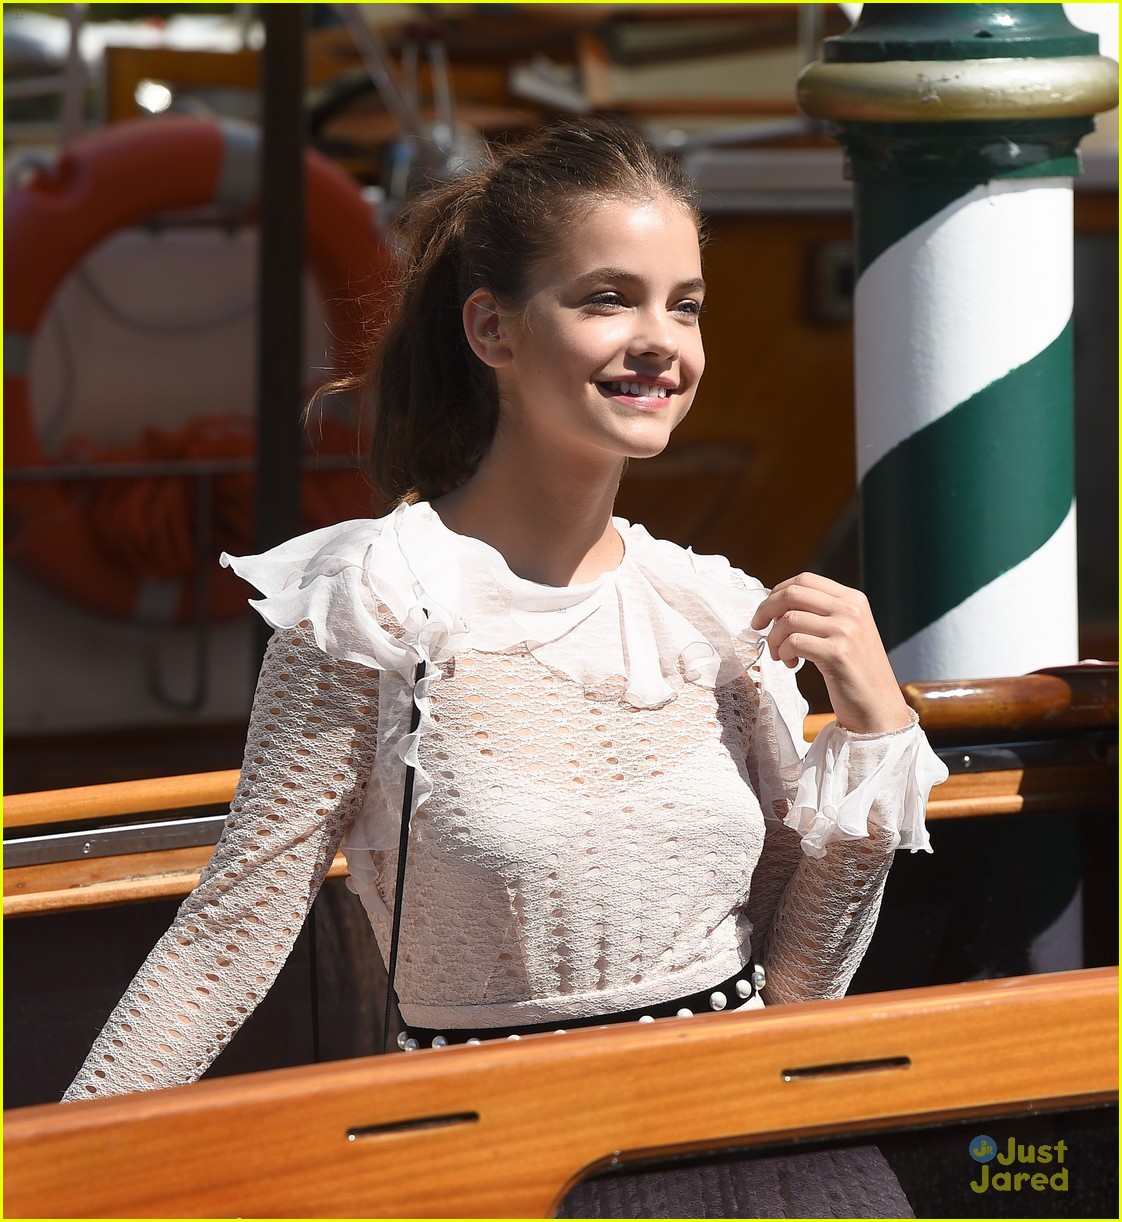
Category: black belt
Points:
column 730, row 993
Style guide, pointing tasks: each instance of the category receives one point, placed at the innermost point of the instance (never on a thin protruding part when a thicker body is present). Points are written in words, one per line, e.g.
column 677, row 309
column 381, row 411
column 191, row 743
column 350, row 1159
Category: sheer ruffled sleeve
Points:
column 834, row 814
column 307, row 759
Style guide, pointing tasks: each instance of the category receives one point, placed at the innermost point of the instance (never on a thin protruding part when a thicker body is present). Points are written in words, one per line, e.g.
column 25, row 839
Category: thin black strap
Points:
column 313, row 968
column 402, row 849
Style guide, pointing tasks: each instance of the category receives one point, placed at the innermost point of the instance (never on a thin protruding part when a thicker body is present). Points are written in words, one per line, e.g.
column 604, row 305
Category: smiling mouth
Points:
column 636, row 388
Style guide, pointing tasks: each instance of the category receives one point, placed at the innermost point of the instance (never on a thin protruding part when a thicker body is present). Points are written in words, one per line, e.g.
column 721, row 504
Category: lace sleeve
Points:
column 308, row 754
column 815, row 899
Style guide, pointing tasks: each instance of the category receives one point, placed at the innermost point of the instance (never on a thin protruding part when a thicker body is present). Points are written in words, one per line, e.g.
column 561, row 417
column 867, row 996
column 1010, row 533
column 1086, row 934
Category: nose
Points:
column 655, row 335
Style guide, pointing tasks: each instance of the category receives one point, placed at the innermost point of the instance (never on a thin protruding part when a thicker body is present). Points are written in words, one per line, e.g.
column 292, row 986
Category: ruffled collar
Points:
column 664, row 618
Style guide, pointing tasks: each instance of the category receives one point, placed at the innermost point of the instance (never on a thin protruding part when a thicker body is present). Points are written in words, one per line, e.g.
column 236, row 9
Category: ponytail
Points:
column 436, row 402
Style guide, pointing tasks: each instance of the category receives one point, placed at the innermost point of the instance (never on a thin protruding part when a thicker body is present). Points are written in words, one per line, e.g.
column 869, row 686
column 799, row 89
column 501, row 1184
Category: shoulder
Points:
column 392, row 551
column 342, row 543
column 681, row 562
column 365, row 586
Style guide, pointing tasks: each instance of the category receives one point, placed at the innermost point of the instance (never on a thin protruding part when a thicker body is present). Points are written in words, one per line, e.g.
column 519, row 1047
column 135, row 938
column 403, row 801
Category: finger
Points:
column 797, row 623
column 813, row 581
column 805, row 646
column 823, row 617
column 794, row 594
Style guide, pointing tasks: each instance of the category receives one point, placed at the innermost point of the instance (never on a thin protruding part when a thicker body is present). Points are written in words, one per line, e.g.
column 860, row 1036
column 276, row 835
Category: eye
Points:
column 690, row 306
column 607, row 300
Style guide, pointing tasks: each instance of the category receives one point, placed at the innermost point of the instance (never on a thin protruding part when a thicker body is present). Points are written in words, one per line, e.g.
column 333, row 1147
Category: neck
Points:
column 550, row 520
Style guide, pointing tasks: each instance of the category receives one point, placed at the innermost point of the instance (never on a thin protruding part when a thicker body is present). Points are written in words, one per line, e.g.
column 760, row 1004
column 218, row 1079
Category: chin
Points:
column 645, row 446
column 649, row 451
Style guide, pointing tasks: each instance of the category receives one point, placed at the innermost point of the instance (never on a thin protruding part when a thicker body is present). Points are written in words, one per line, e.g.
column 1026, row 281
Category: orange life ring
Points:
column 104, row 181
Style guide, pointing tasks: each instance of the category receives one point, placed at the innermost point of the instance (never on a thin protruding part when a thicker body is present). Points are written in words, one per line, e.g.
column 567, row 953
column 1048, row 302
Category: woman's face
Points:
column 606, row 356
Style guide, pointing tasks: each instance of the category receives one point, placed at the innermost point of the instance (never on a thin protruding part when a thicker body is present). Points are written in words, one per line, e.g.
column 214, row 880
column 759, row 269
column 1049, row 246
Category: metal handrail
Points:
column 194, row 467
column 203, row 471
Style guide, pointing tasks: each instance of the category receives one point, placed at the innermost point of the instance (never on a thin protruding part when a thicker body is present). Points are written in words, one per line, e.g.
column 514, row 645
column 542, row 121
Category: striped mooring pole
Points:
column 961, row 125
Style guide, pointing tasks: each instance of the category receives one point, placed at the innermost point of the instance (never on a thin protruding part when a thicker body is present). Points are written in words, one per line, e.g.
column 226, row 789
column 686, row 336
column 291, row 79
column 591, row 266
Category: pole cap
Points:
column 958, row 31
column 940, row 63
column 945, row 91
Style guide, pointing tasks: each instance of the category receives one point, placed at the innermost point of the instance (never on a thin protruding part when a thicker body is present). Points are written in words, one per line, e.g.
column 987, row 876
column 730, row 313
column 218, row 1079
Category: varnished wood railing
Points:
column 1056, row 706
column 504, row 1129
column 94, row 803
column 1053, row 701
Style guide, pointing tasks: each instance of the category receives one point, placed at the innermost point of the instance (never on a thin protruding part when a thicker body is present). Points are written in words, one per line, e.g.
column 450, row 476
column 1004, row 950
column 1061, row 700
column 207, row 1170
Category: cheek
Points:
column 697, row 356
column 684, row 406
column 584, row 353
column 558, row 350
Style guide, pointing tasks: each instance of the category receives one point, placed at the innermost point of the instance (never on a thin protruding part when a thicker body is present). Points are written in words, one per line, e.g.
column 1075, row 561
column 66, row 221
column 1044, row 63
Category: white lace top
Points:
column 613, row 805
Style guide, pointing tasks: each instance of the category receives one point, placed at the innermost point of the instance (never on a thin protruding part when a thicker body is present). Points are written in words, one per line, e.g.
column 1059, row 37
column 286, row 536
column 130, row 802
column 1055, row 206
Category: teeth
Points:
column 637, row 388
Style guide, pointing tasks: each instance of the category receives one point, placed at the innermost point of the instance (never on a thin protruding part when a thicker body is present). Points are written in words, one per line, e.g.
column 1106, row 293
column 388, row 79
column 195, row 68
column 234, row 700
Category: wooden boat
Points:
column 506, row 1129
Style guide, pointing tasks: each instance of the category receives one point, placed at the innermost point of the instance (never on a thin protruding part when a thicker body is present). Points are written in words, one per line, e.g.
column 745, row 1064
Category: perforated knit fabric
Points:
column 605, row 855
column 308, row 753
column 596, row 828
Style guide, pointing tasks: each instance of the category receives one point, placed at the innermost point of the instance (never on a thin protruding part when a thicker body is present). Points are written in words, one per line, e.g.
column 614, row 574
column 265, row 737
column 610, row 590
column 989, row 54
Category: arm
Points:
column 833, row 820
column 813, row 917
column 308, row 754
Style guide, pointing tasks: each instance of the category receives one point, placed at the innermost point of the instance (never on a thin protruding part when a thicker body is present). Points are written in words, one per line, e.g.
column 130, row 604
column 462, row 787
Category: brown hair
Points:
column 435, row 404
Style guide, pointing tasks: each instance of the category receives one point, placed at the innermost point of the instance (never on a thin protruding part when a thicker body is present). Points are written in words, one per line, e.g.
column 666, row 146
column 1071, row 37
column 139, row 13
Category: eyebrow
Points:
column 618, row 273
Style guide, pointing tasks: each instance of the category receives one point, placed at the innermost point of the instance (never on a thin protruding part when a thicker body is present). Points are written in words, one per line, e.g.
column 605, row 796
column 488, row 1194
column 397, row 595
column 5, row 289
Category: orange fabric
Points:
column 147, row 523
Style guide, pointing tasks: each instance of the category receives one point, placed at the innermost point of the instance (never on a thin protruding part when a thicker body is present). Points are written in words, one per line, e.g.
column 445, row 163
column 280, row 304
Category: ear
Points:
column 485, row 326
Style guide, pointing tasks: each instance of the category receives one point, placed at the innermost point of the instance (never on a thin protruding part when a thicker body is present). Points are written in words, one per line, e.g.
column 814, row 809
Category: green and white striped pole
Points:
column 961, row 125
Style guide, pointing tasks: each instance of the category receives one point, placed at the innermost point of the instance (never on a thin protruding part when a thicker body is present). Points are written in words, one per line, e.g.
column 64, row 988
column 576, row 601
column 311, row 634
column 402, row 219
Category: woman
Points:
column 612, row 817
